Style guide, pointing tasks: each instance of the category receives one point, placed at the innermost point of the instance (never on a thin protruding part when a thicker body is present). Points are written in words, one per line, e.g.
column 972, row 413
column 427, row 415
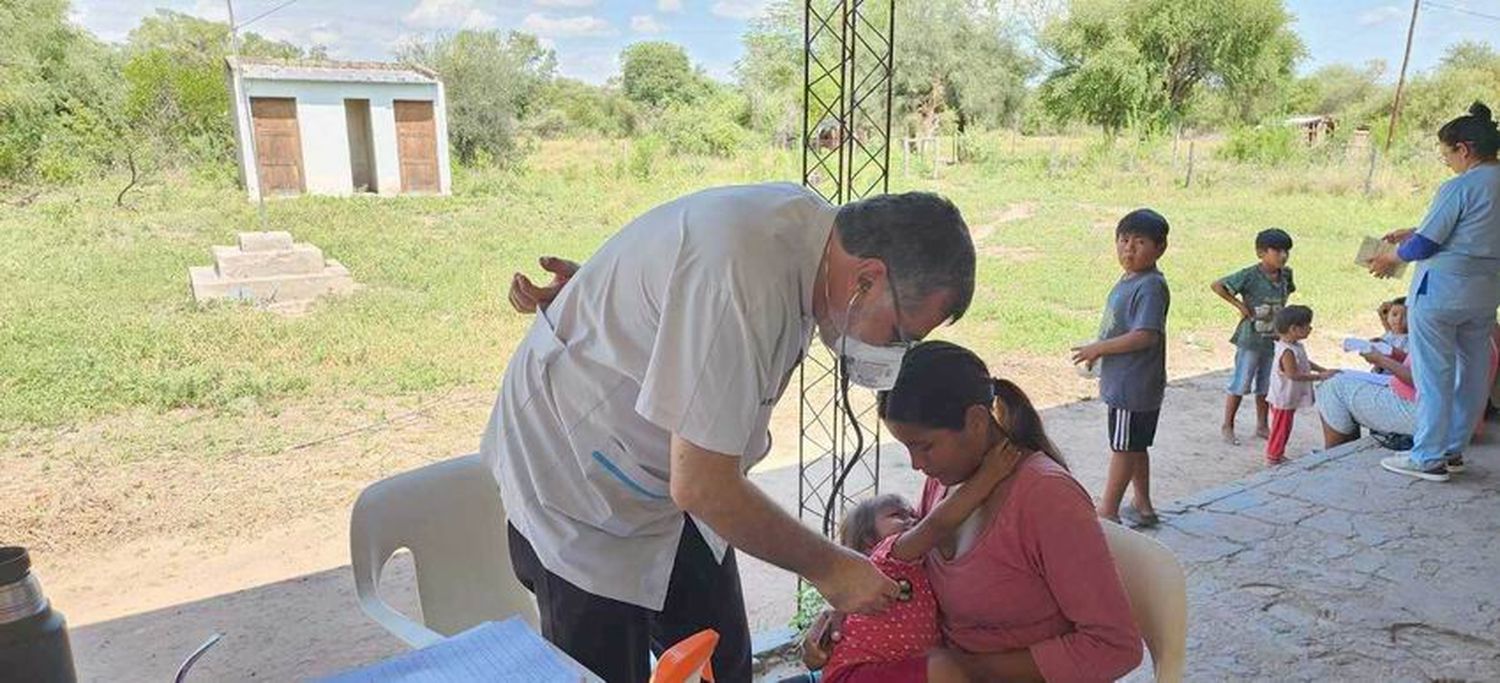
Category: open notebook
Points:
column 498, row 651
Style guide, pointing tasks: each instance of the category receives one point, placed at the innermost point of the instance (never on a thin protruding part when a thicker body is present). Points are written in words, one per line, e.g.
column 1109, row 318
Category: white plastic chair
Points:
column 450, row 516
column 1157, row 588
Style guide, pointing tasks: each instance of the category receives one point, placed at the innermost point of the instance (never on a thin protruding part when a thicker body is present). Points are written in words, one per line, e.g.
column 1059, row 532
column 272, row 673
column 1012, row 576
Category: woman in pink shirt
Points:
column 1026, row 587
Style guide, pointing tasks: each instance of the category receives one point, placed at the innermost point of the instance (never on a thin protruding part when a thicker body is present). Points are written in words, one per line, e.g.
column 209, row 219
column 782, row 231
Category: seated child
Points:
column 1292, row 379
column 894, row 645
column 1393, row 318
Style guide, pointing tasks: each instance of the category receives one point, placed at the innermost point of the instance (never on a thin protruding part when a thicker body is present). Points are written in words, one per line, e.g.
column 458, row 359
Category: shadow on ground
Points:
column 1321, row 569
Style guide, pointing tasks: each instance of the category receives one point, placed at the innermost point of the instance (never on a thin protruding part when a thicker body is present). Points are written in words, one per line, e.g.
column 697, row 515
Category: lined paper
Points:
column 500, row 651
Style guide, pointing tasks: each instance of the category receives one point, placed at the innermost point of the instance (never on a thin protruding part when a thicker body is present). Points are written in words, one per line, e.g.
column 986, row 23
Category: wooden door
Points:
column 278, row 145
column 416, row 141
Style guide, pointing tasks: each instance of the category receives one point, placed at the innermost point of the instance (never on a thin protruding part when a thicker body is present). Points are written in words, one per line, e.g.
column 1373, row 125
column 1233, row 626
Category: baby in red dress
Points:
column 893, row 646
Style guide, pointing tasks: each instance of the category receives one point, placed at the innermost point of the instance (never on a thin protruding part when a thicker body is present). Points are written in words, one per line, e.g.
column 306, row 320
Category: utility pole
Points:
column 1411, row 28
column 242, row 103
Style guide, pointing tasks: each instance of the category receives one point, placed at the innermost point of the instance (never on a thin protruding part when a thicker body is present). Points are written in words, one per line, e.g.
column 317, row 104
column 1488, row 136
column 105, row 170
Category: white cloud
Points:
column 566, row 27
column 441, row 14
column 739, row 9
column 669, row 5
column 645, row 23
column 1381, row 15
column 325, row 36
column 590, row 66
column 213, row 11
column 564, row 3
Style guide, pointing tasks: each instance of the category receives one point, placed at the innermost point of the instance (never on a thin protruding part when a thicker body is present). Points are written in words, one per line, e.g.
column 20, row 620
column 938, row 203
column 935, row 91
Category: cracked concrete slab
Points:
column 1331, row 569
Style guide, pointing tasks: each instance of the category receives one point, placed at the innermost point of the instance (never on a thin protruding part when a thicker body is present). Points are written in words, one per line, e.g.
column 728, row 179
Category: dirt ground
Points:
column 148, row 548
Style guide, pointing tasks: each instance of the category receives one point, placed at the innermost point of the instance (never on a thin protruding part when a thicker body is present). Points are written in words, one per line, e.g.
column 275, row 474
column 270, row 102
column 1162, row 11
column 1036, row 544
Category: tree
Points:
column 770, row 72
column 1144, row 60
column 1468, row 72
column 177, row 97
column 571, row 107
column 956, row 60
column 1338, row 90
column 493, row 80
column 59, row 91
column 658, row 73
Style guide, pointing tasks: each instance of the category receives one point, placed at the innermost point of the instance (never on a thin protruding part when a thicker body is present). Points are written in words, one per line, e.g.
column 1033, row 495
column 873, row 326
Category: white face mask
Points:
column 868, row 365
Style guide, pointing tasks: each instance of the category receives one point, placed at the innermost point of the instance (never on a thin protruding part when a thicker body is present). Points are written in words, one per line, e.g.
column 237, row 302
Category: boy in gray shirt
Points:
column 1132, row 353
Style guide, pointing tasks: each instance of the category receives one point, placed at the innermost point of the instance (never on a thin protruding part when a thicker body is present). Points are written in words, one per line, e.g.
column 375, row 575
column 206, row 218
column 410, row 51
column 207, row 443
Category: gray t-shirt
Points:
column 1136, row 381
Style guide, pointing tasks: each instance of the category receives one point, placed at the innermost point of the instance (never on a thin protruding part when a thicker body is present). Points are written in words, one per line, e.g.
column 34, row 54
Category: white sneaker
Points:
column 1403, row 464
column 1455, row 462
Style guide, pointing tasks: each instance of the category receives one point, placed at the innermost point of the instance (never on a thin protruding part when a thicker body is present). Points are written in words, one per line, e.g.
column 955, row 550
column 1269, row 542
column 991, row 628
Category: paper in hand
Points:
column 1357, row 345
column 1370, row 247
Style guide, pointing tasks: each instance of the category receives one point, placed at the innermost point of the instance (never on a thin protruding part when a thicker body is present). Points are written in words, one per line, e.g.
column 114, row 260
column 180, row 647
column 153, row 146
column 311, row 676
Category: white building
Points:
column 339, row 128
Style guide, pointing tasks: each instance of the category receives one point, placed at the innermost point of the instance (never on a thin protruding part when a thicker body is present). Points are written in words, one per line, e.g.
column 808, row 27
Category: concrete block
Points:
column 301, row 259
column 332, row 280
column 265, row 241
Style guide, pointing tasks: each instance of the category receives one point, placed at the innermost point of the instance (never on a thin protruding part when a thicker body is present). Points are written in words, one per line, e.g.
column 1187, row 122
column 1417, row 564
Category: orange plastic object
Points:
column 687, row 661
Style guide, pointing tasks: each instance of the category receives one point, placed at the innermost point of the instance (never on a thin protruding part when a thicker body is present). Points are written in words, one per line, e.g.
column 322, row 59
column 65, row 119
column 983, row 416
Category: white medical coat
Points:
column 689, row 321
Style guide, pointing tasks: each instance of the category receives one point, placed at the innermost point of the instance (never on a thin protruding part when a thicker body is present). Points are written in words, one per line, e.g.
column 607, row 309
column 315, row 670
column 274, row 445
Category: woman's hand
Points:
column 1399, row 236
column 998, row 463
column 1384, row 265
column 818, row 642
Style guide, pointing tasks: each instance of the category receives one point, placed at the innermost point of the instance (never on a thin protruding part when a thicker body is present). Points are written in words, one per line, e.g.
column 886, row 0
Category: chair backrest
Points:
column 688, row 660
column 1157, row 587
column 450, row 516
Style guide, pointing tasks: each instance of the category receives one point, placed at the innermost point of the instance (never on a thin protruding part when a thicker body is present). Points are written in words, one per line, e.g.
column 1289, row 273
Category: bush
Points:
column 713, row 127
column 643, row 153
column 1266, row 144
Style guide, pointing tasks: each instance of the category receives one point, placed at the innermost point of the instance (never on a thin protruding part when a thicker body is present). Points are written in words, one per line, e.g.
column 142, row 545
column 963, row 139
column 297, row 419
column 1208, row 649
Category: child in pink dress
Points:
column 1292, row 378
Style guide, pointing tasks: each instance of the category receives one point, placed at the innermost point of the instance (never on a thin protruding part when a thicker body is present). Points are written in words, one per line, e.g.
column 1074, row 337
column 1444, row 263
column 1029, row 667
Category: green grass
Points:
column 96, row 316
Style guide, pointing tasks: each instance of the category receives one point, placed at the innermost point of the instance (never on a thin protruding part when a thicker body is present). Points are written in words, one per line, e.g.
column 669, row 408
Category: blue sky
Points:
column 588, row 34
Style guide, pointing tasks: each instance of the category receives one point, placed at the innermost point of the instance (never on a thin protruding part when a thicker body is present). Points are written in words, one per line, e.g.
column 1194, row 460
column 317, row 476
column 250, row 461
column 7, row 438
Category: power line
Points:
column 1461, row 10
column 264, row 14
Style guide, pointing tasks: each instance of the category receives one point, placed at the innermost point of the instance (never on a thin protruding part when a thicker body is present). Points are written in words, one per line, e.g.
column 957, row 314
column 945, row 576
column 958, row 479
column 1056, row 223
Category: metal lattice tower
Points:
column 846, row 153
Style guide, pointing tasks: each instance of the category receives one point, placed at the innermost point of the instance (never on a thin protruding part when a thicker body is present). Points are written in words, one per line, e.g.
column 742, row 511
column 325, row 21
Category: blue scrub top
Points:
column 1465, row 222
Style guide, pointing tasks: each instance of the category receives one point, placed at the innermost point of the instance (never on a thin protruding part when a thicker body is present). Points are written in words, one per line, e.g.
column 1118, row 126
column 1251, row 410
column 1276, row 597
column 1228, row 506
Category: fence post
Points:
column 1192, row 156
column 1370, row 174
column 1052, row 159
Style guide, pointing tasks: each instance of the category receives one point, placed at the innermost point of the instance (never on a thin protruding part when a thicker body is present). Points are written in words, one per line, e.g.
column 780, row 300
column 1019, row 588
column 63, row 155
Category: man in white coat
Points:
column 640, row 397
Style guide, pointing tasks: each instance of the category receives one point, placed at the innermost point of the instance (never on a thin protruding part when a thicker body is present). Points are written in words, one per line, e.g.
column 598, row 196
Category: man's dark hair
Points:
column 1273, row 238
column 1292, row 316
column 1144, row 223
column 1398, row 301
column 923, row 241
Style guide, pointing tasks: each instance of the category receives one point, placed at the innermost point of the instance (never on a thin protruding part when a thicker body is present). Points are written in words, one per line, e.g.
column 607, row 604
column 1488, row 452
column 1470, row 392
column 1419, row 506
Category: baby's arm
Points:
column 951, row 512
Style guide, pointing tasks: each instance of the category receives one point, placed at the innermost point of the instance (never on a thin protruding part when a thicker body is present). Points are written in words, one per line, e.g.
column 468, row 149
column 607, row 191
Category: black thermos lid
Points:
column 15, row 564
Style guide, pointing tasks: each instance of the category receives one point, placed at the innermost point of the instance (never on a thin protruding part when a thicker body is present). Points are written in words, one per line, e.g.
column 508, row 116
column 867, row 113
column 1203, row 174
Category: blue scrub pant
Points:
column 1450, row 351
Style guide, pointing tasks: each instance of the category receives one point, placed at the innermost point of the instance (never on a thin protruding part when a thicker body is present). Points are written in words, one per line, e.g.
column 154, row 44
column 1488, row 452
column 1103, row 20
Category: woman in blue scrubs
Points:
column 1453, row 297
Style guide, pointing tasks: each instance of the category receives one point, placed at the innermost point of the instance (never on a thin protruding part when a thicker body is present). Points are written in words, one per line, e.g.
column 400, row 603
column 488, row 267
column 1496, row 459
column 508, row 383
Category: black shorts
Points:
column 1132, row 431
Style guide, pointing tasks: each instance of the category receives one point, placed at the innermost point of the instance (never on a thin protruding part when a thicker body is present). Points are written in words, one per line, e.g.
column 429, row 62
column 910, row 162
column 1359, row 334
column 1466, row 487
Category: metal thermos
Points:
column 33, row 636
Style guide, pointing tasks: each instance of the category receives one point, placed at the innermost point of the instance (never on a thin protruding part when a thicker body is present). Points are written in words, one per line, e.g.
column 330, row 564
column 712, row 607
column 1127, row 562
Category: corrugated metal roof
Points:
column 353, row 72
